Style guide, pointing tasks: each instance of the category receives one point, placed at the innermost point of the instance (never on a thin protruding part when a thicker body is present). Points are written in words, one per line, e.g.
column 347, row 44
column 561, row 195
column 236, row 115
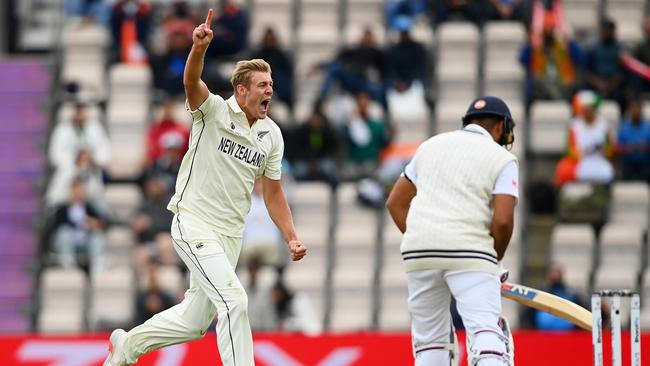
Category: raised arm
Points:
column 195, row 89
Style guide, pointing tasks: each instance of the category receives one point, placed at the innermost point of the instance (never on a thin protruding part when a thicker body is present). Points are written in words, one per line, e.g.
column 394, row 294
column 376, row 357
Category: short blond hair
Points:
column 244, row 69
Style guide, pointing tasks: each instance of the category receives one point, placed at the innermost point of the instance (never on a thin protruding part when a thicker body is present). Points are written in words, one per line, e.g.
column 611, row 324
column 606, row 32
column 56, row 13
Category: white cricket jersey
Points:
column 224, row 158
column 507, row 182
column 448, row 223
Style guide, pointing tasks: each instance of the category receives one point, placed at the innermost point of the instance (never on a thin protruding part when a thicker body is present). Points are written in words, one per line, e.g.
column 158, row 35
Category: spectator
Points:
column 634, row 144
column 153, row 299
column 70, row 137
column 508, row 10
column 642, row 53
column 151, row 225
column 262, row 240
column 469, row 10
column 167, row 124
column 407, row 59
column 87, row 173
column 314, row 146
column 556, row 286
column 180, row 19
column 395, row 9
column 168, row 163
column 230, row 29
column 604, row 71
column 168, row 68
column 589, row 149
column 366, row 138
column 77, row 230
column 97, row 9
column 294, row 311
column 358, row 69
column 552, row 61
column 281, row 65
column 131, row 22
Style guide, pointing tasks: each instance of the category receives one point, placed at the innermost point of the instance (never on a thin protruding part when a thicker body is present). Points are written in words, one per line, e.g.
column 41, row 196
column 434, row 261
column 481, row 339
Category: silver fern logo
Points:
column 261, row 134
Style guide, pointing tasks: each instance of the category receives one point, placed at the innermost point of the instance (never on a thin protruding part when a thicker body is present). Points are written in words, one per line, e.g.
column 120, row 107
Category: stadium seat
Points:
column 611, row 111
column 127, row 75
column 582, row 15
column 457, row 61
column 448, row 115
column 630, row 203
column 503, row 74
column 119, row 245
column 112, row 300
column 508, row 36
column 62, row 300
column 276, row 14
column 84, row 58
column 462, row 34
column 362, row 12
column 393, row 311
column 123, row 200
column 628, row 16
column 89, row 36
column 549, row 122
column 90, row 77
column 351, row 309
column 620, row 256
column 572, row 247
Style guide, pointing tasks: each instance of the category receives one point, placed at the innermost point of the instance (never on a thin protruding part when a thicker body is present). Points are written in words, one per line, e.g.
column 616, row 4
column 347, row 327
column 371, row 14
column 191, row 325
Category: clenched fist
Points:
column 202, row 35
column 297, row 250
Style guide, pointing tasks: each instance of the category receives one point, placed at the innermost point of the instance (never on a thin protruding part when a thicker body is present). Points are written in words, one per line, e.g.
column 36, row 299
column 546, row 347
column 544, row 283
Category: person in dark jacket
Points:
column 281, row 64
column 78, row 231
column 314, row 150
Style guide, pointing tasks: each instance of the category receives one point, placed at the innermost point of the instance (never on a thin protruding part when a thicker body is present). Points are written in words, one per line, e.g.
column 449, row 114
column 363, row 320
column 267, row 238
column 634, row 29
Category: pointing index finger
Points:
column 208, row 19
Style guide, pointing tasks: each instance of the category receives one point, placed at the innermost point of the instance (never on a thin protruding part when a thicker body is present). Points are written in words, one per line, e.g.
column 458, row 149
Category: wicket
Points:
column 615, row 320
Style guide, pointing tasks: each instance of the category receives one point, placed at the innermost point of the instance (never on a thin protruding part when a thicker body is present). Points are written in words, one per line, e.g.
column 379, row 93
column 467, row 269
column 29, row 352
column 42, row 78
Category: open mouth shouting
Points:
column 265, row 105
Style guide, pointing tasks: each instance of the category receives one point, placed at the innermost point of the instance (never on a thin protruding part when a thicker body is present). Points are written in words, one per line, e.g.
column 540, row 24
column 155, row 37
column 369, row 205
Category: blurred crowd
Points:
column 349, row 134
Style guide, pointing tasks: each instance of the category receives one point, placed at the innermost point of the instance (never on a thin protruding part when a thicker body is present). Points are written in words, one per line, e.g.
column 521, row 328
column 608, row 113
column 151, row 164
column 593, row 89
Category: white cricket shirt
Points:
column 448, row 222
column 507, row 182
column 224, row 158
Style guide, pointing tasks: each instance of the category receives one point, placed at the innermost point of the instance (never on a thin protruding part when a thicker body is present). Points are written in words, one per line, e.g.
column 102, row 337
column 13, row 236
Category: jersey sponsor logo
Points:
column 241, row 152
column 261, row 134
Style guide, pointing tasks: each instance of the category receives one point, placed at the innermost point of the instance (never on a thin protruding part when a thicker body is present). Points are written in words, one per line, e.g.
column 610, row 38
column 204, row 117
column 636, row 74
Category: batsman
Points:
column 455, row 204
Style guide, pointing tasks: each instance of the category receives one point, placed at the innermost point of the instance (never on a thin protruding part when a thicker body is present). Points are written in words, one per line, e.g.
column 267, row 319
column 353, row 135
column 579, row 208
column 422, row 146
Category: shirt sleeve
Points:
column 409, row 171
column 209, row 106
column 508, row 180
column 273, row 169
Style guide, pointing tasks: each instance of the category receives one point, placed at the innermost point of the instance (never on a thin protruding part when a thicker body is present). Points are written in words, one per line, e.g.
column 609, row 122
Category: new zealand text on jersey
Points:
column 241, row 152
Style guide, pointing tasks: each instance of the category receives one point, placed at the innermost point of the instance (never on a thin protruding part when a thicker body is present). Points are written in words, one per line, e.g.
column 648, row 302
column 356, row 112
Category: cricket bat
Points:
column 544, row 301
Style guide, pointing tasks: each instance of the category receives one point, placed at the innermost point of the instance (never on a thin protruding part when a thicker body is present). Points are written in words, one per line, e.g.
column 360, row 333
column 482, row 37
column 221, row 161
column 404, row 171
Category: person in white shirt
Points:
column 232, row 143
column 455, row 206
column 79, row 133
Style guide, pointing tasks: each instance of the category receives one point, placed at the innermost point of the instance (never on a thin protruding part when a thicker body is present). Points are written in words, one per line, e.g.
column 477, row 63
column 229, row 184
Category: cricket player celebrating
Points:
column 233, row 143
column 455, row 205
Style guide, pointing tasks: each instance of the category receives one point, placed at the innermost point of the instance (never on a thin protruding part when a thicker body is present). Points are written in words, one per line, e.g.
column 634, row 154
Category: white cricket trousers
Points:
column 214, row 289
column 478, row 300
